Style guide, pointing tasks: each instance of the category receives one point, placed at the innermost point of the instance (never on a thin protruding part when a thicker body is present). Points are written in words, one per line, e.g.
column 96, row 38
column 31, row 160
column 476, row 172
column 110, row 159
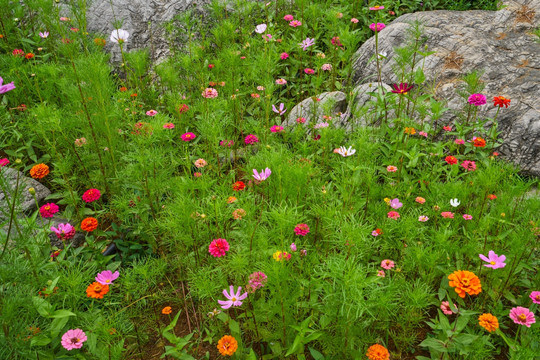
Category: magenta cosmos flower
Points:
column 402, row 88
column 48, row 210
column 535, row 297
column 91, row 195
column 387, row 264
column 251, row 139
column 218, row 247
column 522, row 316
column 263, row 175
column 107, row 277
column 188, row 136
column 234, row 299
column 64, row 231
column 7, row 87
column 377, row 27
column 301, row 229
column 73, row 339
column 477, row 99
column 494, row 261
column 209, row 93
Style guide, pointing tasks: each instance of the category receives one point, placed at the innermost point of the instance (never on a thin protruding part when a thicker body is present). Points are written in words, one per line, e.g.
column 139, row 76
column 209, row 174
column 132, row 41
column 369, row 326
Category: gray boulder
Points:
column 331, row 104
column 501, row 43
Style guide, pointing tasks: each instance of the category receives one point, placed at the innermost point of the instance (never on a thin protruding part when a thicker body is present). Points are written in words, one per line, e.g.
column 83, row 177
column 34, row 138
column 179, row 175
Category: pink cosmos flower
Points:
column 376, row 232
column 381, row 273
column 209, row 93
column 233, row 299
column 326, row 67
column 251, row 139
column 188, row 136
column 447, row 214
column 73, row 339
column 459, row 141
column 301, row 120
column 309, row 71
column 257, row 280
column 494, row 261
column 445, row 307
column 307, row 43
column 48, row 210
column 467, row 217
column 283, row 56
column 391, row 168
column 295, row 23
column 168, row 126
column 281, row 81
column 263, row 175
column 4, row 162
column 281, row 109
column 218, row 247
column 535, row 297
column 354, row 20
column 64, row 231
column 44, row 34
column 107, row 277
column 420, row 200
column 469, row 165
column 387, row 264
column 276, row 129
column 377, row 27
column 477, row 99
column 522, row 316
column 395, row 204
column 293, row 247
column 7, row 87
column 91, row 195
column 151, row 113
column 288, row 17
column 423, row 218
column 301, row 229
column 393, row 215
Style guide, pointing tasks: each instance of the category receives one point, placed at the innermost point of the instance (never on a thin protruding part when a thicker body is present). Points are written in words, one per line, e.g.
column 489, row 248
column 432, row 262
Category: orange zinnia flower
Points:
column 99, row 42
column 465, row 282
column 410, row 131
column 488, row 322
column 501, row 101
column 96, row 290
column 479, row 142
column 227, row 345
column 377, row 352
column 166, row 310
column 29, row 56
column 39, row 171
column 89, row 224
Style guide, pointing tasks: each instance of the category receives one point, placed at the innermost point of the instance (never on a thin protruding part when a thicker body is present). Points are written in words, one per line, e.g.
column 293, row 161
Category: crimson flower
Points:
column 402, row 88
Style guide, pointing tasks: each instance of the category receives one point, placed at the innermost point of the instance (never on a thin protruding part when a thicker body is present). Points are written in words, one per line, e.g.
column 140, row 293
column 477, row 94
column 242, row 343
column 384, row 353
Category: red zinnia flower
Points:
column 238, row 186
column 402, row 88
column 501, row 101
column 91, row 195
column 183, row 108
column 479, row 142
column 451, row 160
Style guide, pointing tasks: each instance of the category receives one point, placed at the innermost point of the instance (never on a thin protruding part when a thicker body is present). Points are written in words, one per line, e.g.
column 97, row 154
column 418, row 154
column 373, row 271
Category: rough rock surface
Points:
column 25, row 201
column 330, row 103
column 500, row 43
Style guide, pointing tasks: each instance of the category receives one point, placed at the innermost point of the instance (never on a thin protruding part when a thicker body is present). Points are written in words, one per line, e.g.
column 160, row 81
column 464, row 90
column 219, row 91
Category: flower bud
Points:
column 32, row 191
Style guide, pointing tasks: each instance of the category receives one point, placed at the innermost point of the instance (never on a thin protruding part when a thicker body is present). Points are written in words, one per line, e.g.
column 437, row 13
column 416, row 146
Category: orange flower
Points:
column 39, row 171
column 134, row 95
column 465, row 282
column 488, row 322
column 227, row 345
column 99, row 42
column 501, row 101
column 96, row 290
column 89, row 224
column 166, row 310
column 231, row 199
column 377, row 352
column 410, row 131
column 29, row 56
column 123, row 89
column 479, row 142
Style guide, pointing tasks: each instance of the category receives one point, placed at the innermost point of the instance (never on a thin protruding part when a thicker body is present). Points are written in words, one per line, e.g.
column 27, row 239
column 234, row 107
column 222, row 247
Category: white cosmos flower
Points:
column 119, row 36
column 454, row 202
column 346, row 152
column 260, row 28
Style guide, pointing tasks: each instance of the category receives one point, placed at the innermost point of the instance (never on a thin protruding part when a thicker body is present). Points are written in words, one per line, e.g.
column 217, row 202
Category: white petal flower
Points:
column 260, row 28
column 119, row 36
column 346, row 152
column 454, row 202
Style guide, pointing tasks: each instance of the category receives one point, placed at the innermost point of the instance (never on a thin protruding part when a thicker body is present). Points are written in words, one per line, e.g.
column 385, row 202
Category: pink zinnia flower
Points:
column 467, row 217
column 200, row 163
column 395, row 204
column 445, row 307
column 151, row 112
column 381, row 273
column 281, row 81
column 354, row 20
column 459, row 141
column 393, row 215
column 218, row 247
column 276, row 129
column 107, row 277
column 48, row 210
column 288, row 17
column 387, row 264
column 494, row 261
column 377, row 27
column 209, row 93
column 326, row 67
column 91, row 195
column 257, row 280
column 420, row 200
column 391, row 168
column 522, row 316
column 64, row 231
column 293, row 247
column 168, row 126
column 73, row 339
column 301, row 229
column 301, row 120
column 447, row 214
column 469, row 165
column 535, row 297
column 295, row 23
column 188, row 136
column 377, row 7
column 284, row 56
column 251, row 139
column 233, row 299
column 4, row 162
column 477, row 99
column 309, row 71
column 423, row 218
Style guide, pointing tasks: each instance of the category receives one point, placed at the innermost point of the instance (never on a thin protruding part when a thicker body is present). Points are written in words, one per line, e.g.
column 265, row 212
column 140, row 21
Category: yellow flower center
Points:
column 233, row 299
column 522, row 317
column 107, row 281
column 492, row 262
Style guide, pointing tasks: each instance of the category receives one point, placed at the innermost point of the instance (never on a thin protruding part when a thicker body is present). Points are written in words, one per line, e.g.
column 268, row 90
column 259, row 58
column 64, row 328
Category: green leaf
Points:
column 62, row 313
column 316, row 355
column 434, row 344
column 42, row 306
column 234, row 326
column 57, row 325
column 338, row 85
column 40, row 340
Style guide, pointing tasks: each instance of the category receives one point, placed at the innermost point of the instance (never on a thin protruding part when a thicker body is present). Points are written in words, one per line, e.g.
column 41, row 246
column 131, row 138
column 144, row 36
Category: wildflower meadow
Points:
column 179, row 209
